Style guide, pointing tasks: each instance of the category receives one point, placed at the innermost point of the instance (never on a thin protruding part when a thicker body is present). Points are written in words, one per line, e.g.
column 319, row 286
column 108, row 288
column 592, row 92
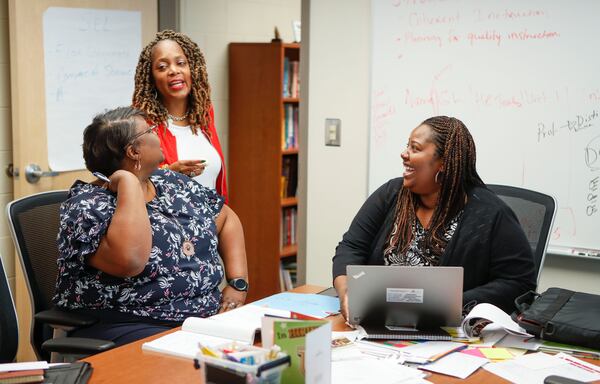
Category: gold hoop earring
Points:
column 437, row 175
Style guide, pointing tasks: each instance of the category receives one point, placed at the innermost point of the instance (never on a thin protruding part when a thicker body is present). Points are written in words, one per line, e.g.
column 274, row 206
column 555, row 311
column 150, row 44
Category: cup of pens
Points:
column 234, row 363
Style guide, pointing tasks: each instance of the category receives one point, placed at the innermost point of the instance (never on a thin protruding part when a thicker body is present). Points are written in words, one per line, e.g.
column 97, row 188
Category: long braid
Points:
column 145, row 95
column 455, row 145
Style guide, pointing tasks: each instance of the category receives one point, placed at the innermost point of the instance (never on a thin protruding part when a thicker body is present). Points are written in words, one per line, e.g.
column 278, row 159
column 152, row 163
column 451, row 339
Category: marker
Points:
column 101, row 176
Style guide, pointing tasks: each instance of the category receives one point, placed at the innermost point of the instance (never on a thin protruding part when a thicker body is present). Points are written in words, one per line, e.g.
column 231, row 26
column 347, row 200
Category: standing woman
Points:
column 171, row 87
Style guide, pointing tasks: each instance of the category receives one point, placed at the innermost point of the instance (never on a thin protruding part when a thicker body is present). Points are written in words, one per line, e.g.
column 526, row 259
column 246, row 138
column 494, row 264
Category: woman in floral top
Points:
column 140, row 252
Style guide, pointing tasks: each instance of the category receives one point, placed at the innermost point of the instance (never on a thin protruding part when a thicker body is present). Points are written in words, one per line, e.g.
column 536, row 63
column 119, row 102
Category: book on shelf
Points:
column 240, row 325
column 289, row 174
column 289, row 217
column 288, row 275
column 291, row 78
column 289, row 136
column 295, row 80
column 286, row 77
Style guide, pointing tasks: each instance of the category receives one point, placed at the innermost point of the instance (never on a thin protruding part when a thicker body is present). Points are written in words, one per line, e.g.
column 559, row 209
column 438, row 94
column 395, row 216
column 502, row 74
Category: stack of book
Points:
column 27, row 376
column 289, row 176
column 291, row 78
column 289, row 131
column 288, row 226
column 288, row 271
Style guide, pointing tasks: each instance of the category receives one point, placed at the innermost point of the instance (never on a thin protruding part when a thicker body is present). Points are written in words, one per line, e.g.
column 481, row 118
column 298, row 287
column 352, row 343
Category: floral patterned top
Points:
column 175, row 283
column 417, row 253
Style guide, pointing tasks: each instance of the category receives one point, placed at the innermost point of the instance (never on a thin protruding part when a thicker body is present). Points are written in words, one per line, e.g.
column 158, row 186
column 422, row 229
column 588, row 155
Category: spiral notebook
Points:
column 394, row 333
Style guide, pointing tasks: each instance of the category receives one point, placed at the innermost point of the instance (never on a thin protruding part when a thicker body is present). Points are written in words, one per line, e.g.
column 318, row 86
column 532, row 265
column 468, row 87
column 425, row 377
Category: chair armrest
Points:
column 77, row 345
column 60, row 319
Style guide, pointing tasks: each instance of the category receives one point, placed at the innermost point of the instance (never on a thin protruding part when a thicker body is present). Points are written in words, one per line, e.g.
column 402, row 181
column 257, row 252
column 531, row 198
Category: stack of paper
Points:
column 534, row 368
column 483, row 314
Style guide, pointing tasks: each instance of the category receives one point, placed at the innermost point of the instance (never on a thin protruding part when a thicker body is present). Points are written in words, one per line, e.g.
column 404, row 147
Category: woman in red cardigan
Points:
column 171, row 87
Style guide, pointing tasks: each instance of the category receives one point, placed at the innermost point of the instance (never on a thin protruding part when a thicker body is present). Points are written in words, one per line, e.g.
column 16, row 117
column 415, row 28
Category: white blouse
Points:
column 197, row 147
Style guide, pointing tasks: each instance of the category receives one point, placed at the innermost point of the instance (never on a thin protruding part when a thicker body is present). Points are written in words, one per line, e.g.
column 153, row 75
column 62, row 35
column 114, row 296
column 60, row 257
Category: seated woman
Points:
column 441, row 214
column 141, row 252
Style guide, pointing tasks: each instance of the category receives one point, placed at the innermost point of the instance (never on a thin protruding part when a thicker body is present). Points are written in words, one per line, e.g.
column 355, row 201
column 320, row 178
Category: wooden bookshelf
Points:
column 259, row 156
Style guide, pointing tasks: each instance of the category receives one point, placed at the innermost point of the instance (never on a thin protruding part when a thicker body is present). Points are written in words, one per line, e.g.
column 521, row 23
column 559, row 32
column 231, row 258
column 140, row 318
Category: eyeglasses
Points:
column 138, row 135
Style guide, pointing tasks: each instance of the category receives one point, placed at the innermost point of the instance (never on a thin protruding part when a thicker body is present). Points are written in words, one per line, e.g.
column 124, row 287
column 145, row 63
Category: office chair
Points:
column 34, row 224
column 535, row 212
column 9, row 330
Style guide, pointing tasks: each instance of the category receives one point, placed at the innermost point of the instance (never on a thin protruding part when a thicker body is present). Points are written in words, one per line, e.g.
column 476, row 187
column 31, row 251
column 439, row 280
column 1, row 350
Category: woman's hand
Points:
column 341, row 286
column 191, row 168
column 231, row 299
column 233, row 253
column 119, row 176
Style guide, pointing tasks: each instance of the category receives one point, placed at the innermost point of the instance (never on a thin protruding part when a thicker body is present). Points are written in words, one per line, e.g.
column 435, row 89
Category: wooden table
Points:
column 129, row 364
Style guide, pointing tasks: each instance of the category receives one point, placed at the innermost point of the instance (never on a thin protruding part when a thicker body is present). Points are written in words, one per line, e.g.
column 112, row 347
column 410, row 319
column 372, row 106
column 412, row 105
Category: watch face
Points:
column 239, row 284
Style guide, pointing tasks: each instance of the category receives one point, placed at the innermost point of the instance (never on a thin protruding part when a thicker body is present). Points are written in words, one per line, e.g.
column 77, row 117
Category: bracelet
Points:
column 164, row 166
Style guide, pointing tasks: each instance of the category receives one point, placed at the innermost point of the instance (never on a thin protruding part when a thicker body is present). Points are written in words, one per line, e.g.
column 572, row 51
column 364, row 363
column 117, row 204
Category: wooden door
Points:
column 28, row 111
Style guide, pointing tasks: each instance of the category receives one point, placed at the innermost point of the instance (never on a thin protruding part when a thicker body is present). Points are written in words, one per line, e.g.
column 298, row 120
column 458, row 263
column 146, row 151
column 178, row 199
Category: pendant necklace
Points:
column 187, row 247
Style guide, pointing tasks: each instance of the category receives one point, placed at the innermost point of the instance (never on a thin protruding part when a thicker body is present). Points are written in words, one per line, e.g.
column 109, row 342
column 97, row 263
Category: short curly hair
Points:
column 105, row 139
column 145, row 93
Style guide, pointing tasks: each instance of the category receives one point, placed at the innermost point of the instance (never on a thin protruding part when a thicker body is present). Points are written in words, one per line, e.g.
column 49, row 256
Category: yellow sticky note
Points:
column 496, row 353
column 516, row 351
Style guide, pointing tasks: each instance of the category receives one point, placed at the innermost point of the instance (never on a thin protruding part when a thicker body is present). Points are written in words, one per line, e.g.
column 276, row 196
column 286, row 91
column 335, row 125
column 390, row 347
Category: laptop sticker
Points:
column 404, row 295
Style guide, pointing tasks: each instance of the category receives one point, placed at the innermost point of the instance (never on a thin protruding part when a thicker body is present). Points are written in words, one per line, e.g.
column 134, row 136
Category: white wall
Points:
column 335, row 41
column 213, row 24
column 6, row 191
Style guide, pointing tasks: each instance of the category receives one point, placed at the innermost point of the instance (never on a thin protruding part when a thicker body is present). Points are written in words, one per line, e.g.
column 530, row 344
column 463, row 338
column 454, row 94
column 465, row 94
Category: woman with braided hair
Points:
column 171, row 87
column 440, row 213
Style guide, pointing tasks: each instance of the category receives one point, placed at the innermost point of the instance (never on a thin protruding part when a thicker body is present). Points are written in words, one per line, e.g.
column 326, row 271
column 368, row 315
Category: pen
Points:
column 101, row 176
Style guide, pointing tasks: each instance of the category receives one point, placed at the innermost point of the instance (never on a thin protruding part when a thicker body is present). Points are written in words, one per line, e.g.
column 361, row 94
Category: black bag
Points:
column 562, row 316
column 74, row 373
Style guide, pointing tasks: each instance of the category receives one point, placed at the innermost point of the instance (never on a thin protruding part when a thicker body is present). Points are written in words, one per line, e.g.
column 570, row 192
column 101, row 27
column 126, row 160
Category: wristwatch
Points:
column 239, row 284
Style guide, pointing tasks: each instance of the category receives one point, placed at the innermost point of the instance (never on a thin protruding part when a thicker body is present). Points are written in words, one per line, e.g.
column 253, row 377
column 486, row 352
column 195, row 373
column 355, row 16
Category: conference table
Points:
column 129, row 364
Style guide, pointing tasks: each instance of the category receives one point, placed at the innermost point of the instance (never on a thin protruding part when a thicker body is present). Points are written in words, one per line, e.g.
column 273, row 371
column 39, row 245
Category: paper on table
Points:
column 372, row 371
column 459, row 365
column 495, row 315
column 318, row 306
column 514, row 341
column 350, row 335
column 534, row 368
column 26, row 366
column 429, row 351
column 490, row 335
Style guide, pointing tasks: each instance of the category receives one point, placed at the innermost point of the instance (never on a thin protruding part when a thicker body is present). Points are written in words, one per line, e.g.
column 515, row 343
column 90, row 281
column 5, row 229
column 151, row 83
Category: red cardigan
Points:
column 168, row 144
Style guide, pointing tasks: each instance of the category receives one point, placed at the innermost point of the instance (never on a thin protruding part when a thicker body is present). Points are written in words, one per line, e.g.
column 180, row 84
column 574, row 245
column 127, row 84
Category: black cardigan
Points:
column 488, row 243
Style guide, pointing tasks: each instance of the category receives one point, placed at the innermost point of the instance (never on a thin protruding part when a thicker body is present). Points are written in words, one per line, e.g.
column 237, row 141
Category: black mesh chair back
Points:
column 34, row 223
column 9, row 330
column 535, row 212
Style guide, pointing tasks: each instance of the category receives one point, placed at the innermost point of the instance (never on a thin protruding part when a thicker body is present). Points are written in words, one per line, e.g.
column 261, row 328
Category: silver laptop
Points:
column 405, row 297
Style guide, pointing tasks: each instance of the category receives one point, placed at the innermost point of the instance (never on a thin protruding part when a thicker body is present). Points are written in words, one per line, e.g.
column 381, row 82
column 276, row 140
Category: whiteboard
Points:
column 90, row 57
column 522, row 76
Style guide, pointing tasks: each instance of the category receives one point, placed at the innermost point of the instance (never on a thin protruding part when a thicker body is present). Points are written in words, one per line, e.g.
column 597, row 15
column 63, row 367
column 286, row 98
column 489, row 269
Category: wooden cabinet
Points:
column 263, row 156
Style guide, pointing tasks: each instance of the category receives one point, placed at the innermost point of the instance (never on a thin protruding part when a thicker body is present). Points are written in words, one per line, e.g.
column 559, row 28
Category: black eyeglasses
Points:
column 138, row 135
